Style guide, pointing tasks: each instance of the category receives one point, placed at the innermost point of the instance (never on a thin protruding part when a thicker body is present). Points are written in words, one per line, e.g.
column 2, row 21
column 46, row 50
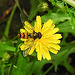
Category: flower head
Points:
column 48, row 40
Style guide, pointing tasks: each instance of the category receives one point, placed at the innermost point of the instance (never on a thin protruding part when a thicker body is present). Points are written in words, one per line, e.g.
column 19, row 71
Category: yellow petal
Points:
column 31, row 50
column 24, row 47
column 27, row 44
column 51, row 32
column 52, row 37
column 47, row 26
column 53, row 50
column 28, row 27
column 22, row 30
column 37, row 46
column 55, row 46
column 38, row 21
column 28, row 41
column 23, row 39
column 39, row 52
column 52, row 26
column 48, row 57
column 33, row 46
column 47, row 54
column 38, row 24
column 35, row 27
column 39, row 56
column 56, row 36
column 55, row 41
column 43, row 51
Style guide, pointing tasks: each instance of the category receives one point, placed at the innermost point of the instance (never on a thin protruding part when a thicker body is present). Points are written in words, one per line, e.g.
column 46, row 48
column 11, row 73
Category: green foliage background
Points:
column 62, row 12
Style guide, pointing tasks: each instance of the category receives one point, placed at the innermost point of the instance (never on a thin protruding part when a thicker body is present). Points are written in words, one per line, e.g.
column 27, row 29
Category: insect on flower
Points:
column 41, row 38
column 27, row 35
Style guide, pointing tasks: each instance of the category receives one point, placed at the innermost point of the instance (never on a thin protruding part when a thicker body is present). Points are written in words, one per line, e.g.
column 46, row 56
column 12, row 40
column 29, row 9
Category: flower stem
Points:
column 70, row 2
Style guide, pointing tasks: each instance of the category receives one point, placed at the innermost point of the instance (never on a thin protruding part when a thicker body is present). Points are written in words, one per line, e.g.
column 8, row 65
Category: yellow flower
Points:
column 48, row 40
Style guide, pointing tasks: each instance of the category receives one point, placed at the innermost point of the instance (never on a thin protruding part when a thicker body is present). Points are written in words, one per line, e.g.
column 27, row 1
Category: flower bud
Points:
column 43, row 7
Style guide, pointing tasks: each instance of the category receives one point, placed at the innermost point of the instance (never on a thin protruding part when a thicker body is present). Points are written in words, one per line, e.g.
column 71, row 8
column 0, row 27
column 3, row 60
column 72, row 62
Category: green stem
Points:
column 2, row 70
column 70, row 2
column 48, row 70
column 14, row 59
column 9, row 22
column 3, row 34
column 17, row 2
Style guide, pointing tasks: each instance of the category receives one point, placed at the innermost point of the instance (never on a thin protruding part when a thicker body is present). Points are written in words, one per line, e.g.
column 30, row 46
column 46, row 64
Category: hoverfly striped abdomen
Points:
column 33, row 35
column 23, row 35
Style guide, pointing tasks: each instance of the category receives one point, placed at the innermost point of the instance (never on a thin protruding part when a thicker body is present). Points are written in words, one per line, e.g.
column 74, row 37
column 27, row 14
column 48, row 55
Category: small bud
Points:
column 43, row 7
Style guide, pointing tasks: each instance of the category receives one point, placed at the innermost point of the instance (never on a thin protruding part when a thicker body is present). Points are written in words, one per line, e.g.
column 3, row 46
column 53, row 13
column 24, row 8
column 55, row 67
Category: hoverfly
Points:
column 27, row 35
column 30, row 33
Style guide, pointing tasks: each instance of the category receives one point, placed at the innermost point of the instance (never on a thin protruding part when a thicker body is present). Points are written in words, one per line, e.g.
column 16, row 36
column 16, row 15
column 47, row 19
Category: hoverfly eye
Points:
column 40, row 35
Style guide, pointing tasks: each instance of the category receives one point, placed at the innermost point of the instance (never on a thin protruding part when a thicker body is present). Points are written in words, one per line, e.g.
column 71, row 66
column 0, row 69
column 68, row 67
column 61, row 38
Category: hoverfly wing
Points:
column 25, row 52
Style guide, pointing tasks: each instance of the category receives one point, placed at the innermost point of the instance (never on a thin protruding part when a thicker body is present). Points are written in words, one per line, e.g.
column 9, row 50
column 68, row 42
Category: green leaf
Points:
column 65, row 27
column 56, row 17
column 1, row 53
column 35, row 67
column 58, row 4
column 34, row 9
column 4, row 46
column 69, row 67
column 70, row 48
column 19, row 67
column 63, row 54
